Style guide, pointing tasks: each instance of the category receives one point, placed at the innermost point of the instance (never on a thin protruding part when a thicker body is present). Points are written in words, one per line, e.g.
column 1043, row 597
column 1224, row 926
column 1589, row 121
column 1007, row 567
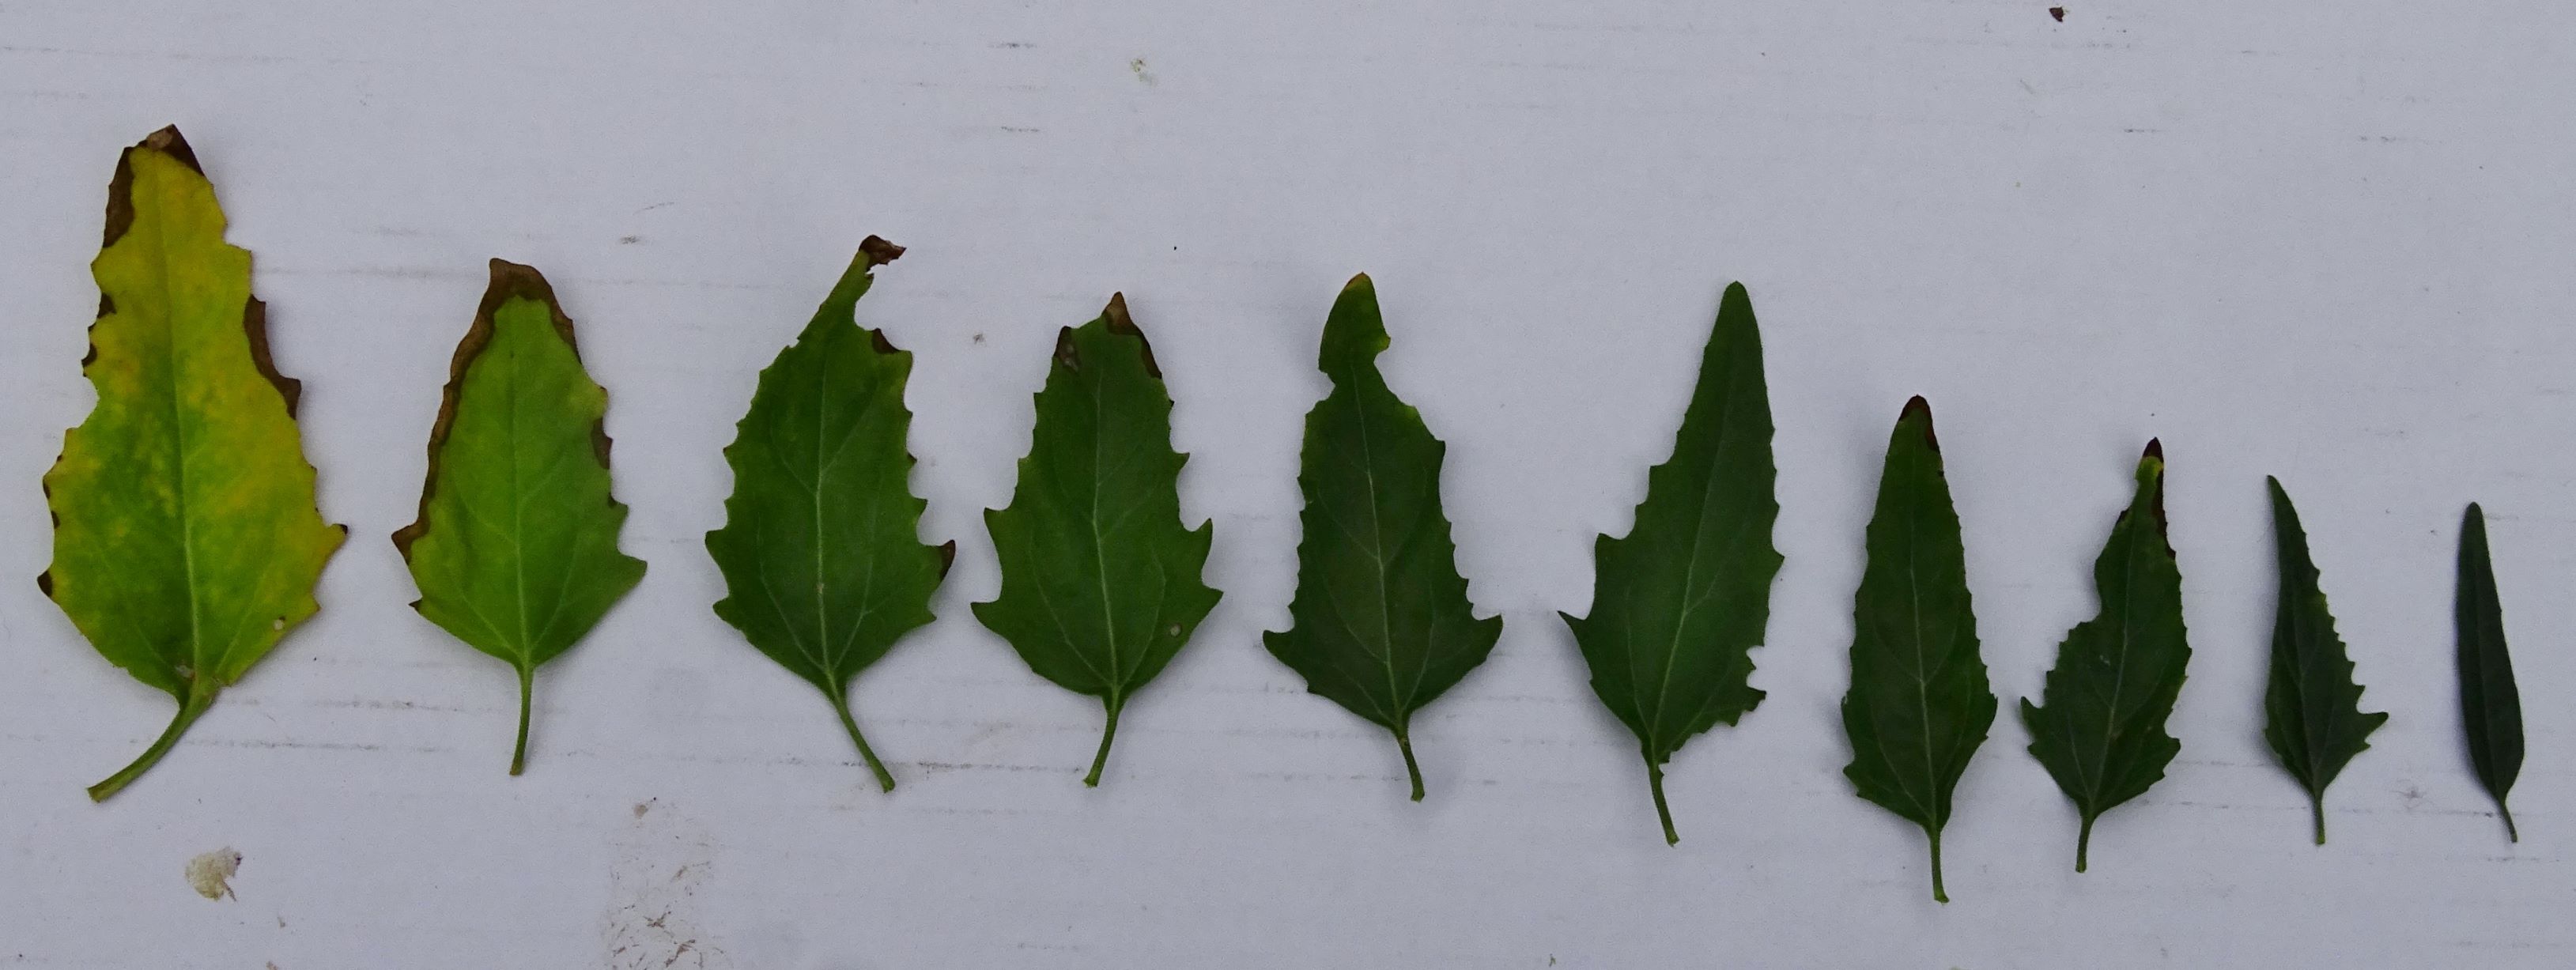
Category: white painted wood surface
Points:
column 2325, row 239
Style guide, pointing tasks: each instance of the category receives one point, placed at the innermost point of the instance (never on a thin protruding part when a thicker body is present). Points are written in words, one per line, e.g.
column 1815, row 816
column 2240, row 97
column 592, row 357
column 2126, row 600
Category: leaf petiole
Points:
column 1939, row 895
column 1412, row 769
column 189, row 710
column 1107, row 734
column 2083, row 840
column 527, row 689
column 1655, row 780
column 841, row 706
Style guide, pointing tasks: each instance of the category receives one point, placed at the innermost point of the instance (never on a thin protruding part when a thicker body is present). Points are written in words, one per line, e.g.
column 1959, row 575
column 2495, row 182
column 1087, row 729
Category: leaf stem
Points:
column 2083, row 840
column 2317, row 810
column 1939, row 895
column 1412, row 769
column 1655, row 780
column 527, row 688
column 2510, row 835
column 1107, row 734
column 189, row 710
column 841, row 706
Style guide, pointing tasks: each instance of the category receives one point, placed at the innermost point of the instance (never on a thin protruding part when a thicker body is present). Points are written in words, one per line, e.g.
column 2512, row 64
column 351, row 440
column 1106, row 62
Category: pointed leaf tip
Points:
column 2155, row 450
column 1120, row 323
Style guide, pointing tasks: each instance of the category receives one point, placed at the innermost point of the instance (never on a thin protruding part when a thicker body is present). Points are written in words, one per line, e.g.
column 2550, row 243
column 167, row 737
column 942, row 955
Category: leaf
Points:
column 2312, row 708
column 2101, row 729
column 2490, row 706
column 1919, row 705
column 823, row 565
column 515, row 550
column 1380, row 623
column 1100, row 581
column 1680, row 602
column 186, row 540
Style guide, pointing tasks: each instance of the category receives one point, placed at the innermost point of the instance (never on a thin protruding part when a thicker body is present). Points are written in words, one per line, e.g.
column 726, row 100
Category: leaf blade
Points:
column 515, row 547
column 821, row 493
column 1072, row 568
column 1700, row 548
column 186, row 539
column 2312, row 707
column 2100, row 729
column 1919, row 706
column 2490, row 704
column 1375, row 556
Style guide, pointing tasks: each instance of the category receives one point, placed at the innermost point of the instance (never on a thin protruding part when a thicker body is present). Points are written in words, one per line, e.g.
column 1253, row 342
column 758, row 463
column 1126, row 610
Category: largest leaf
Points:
column 1679, row 603
column 1380, row 623
column 186, row 541
column 1919, row 705
column 824, row 569
column 1100, row 580
column 515, row 551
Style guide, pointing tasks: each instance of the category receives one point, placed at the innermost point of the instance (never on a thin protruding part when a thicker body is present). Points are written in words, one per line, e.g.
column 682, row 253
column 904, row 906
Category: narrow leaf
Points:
column 186, row 541
column 2312, row 707
column 1679, row 603
column 515, row 550
column 2100, row 729
column 2490, row 706
column 1919, row 705
column 1380, row 623
column 823, row 564
column 1100, row 580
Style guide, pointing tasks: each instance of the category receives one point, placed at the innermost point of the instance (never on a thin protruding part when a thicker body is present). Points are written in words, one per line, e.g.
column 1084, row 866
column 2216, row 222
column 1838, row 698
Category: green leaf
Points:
column 2312, row 708
column 1679, row 603
column 1919, row 705
column 2101, row 729
column 823, row 564
column 2490, row 706
column 1100, row 581
column 186, row 540
column 1380, row 623
column 515, row 550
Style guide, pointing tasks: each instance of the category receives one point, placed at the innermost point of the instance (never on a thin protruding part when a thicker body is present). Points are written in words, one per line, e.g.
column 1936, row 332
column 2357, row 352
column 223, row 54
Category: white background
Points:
column 2324, row 239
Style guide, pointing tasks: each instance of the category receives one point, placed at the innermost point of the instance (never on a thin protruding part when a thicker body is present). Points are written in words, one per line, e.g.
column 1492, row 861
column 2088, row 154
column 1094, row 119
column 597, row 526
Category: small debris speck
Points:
column 2059, row 13
column 208, row 873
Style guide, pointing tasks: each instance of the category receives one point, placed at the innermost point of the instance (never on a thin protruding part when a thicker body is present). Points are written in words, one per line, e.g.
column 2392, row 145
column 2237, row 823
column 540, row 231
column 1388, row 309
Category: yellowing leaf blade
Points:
column 186, row 541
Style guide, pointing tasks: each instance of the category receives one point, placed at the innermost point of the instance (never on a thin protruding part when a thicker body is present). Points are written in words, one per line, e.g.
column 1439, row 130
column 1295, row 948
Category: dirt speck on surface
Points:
column 1136, row 66
column 2058, row 13
column 209, row 873
column 644, row 807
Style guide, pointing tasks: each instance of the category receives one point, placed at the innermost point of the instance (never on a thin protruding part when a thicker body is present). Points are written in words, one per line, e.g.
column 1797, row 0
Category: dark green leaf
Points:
column 2490, row 706
column 1100, row 581
column 515, row 551
column 1380, row 623
column 1680, row 602
column 2312, row 708
column 1919, row 705
column 823, row 565
column 2101, row 732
